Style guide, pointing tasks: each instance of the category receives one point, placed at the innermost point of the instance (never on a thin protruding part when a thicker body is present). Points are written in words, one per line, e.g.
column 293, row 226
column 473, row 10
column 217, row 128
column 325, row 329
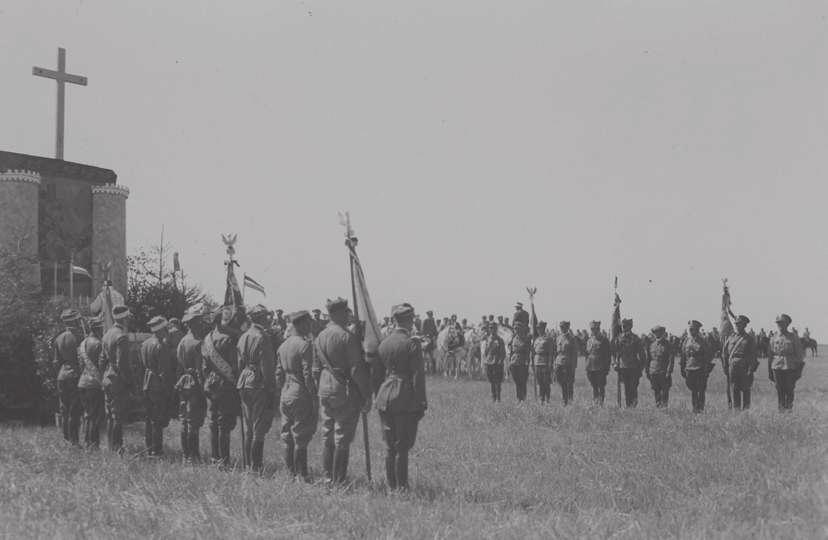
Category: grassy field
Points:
column 479, row 471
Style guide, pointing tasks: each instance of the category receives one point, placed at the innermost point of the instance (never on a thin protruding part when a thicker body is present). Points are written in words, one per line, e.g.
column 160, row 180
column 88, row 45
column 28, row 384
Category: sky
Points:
column 481, row 147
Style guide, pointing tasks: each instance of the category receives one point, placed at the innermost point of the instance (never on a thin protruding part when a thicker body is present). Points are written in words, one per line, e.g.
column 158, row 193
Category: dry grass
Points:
column 479, row 471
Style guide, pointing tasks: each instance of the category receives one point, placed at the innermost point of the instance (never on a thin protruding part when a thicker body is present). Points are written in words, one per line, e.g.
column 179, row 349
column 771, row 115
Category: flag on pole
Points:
column 725, row 326
column 364, row 308
column 251, row 283
column 232, row 292
column 81, row 271
column 616, row 318
column 176, row 263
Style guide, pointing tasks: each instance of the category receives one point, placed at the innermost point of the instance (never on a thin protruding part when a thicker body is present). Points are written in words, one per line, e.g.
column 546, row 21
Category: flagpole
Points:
column 72, row 276
column 54, row 279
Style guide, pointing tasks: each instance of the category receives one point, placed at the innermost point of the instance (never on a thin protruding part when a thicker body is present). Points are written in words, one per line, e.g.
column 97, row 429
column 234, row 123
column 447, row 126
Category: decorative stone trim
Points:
column 111, row 189
column 27, row 177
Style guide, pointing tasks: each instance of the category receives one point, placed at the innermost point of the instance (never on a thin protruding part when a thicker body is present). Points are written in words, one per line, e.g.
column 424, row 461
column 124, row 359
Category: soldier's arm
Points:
column 752, row 354
column 122, row 359
column 417, row 364
column 317, row 363
column 308, row 361
column 279, row 373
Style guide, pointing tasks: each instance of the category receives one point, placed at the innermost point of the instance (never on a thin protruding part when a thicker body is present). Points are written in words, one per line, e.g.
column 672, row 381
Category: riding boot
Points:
column 224, row 448
column 737, row 398
column 157, row 439
column 746, row 399
column 340, row 470
column 215, row 447
column 300, row 463
column 290, row 461
column 118, row 438
column 185, row 443
column 391, row 471
column 257, row 456
column 701, row 401
column 402, row 470
column 195, row 453
column 328, row 460
column 148, row 437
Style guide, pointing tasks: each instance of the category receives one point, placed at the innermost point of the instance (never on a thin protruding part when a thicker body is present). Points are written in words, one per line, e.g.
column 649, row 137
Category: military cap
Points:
column 336, row 304
column 784, row 317
column 120, row 312
column 70, row 315
column 563, row 323
column 541, row 324
column 97, row 321
column 595, row 324
column 695, row 324
column 429, row 312
column 742, row 319
column 402, row 311
column 157, row 323
column 657, row 329
column 626, row 322
column 256, row 312
column 280, row 310
column 518, row 304
column 317, row 311
column 196, row 310
column 299, row 316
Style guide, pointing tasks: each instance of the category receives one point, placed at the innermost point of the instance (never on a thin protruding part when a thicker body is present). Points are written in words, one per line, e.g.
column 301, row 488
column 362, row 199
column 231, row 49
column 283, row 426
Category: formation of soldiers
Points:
column 252, row 364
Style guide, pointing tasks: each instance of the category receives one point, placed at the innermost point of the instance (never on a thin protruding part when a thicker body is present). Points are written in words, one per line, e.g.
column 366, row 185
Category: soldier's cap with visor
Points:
column 519, row 305
column 96, row 321
column 257, row 312
column 657, row 329
column 402, row 311
column 563, row 323
column 337, row 304
column 299, row 316
column 70, row 315
column 317, row 311
column 120, row 313
column 595, row 324
column 194, row 311
column 742, row 319
column 157, row 323
column 694, row 324
column 174, row 322
column 541, row 324
column 626, row 322
column 784, row 317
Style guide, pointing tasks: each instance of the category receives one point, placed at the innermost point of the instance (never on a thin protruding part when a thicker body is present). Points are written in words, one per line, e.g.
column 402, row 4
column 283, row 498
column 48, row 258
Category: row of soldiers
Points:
column 227, row 365
column 555, row 357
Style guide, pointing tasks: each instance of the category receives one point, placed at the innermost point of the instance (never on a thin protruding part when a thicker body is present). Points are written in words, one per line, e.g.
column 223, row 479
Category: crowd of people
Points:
column 217, row 366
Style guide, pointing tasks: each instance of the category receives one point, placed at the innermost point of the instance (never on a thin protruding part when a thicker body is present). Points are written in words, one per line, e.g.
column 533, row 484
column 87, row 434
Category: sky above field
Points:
column 481, row 147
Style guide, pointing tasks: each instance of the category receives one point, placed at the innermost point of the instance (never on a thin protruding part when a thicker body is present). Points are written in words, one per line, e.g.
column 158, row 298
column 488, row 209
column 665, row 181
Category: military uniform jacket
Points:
column 430, row 327
column 338, row 358
column 257, row 360
column 294, row 369
column 190, row 363
column 520, row 350
column 159, row 368
column 225, row 347
column 492, row 350
column 521, row 316
column 566, row 350
column 695, row 354
column 660, row 357
column 115, row 354
column 740, row 353
column 66, row 355
column 786, row 351
column 403, row 390
column 630, row 351
column 544, row 349
column 597, row 353
column 89, row 353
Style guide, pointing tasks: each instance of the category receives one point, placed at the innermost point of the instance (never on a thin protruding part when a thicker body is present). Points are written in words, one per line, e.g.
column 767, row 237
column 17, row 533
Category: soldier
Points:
column 520, row 350
column 317, row 324
column 256, row 385
column 159, row 374
column 66, row 361
column 630, row 361
column 218, row 349
column 344, row 388
column 696, row 364
column 566, row 360
column 659, row 367
column 544, row 351
column 117, row 378
column 401, row 399
column 192, row 403
column 740, row 359
column 597, row 362
column 521, row 315
column 299, row 401
column 786, row 361
column 493, row 353
column 89, row 384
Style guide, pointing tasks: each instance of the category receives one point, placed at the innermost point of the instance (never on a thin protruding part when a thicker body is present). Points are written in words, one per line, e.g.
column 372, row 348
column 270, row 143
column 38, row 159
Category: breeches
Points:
column 92, row 402
column 785, row 380
column 257, row 411
column 115, row 404
column 741, row 379
column 494, row 372
column 223, row 410
column 399, row 431
column 192, row 408
column 339, row 420
column 70, row 407
column 697, row 380
column 157, row 407
column 520, row 374
column 299, row 419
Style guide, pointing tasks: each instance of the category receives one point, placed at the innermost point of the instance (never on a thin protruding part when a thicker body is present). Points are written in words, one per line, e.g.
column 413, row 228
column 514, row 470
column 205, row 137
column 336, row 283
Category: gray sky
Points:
column 480, row 146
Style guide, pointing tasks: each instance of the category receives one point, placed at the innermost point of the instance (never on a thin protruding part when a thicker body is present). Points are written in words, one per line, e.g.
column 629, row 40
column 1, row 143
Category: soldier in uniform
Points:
column 630, row 361
column 117, row 378
column 218, row 349
column 597, row 362
column 66, row 361
column 192, row 403
column 159, row 375
column 521, row 315
column 493, row 353
column 520, row 350
column 299, row 401
column 786, row 361
column 256, row 385
column 401, row 399
column 544, row 352
column 89, row 384
column 566, row 360
column 344, row 388
column 659, row 367
column 740, row 358
column 430, row 331
column 696, row 364
column 317, row 324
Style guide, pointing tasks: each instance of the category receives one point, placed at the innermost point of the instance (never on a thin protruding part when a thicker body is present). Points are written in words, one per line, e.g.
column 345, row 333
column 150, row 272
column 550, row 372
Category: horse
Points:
column 809, row 344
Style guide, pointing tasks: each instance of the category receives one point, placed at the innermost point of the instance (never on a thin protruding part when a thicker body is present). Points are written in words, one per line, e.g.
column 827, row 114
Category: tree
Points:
column 152, row 291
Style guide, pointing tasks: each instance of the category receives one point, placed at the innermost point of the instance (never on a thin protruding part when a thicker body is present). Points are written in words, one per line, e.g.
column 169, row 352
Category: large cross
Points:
column 62, row 78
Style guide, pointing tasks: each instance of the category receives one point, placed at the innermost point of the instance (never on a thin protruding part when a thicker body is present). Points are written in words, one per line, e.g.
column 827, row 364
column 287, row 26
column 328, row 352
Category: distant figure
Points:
column 159, row 374
column 544, row 350
column 597, row 362
column 520, row 349
column 521, row 315
column 117, row 378
column 566, row 360
column 696, row 364
column 741, row 359
column 66, row 362
column 317, row 324
column 630, row 362
column 492, row 354
column 659, row 367
column 192, row 402
column 89, row 384
column 785, row 363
